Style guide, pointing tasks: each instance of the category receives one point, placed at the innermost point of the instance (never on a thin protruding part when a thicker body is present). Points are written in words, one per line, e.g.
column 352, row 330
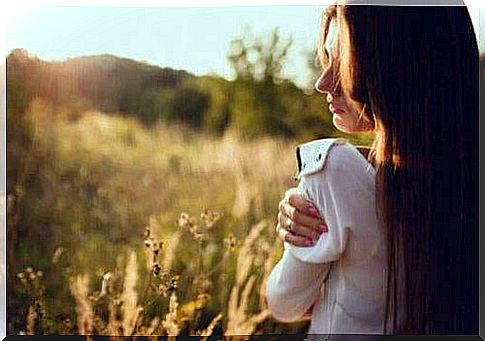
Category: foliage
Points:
column 254, row 59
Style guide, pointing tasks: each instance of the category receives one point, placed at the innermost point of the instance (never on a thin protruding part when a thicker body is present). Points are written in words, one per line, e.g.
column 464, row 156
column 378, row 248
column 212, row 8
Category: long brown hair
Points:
column 415, row 71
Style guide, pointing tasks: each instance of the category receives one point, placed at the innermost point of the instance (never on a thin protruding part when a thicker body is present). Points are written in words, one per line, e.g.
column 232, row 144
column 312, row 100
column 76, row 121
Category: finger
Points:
column 300, row 230
column 301, row 204
column 290, row 191
column 282, row 221
column 294, row 239
column 280, row 215
column 286, row 209
column 301, row 218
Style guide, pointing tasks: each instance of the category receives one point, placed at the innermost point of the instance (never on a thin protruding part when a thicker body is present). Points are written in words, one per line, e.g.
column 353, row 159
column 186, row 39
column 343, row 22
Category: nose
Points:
column 326, row 83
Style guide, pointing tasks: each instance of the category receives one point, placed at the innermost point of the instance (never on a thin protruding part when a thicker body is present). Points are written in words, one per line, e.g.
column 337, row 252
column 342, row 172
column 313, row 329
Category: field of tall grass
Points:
column 135, row 231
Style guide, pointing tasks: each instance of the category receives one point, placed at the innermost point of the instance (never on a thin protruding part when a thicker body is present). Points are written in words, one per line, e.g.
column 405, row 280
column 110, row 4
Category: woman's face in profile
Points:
column 345, row 115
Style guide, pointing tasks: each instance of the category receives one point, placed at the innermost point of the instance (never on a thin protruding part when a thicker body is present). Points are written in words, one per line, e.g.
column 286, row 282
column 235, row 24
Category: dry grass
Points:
column 240, row 321
column 124, row 311
column 80, row 291
column 170, row 323
column 256, row 165
column 170, row 251
column 173, row 171
column 129, row 296
column 210, row 328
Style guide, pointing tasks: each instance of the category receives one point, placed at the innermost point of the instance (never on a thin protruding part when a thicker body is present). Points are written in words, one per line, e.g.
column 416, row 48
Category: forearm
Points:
column 293, row 287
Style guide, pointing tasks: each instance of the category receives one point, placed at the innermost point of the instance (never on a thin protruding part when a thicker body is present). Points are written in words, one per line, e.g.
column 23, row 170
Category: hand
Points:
column 299, row 222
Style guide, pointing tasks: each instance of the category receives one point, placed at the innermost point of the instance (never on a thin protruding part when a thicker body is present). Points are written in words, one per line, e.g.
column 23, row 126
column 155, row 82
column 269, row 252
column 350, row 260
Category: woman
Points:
column 398, row 252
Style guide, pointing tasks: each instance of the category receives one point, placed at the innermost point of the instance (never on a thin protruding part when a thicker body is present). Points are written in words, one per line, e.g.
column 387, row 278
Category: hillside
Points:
column 103, row 82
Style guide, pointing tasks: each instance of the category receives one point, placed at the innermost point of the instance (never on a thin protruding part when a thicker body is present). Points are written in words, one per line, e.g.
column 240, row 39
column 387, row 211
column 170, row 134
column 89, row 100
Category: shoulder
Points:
column 332, row 158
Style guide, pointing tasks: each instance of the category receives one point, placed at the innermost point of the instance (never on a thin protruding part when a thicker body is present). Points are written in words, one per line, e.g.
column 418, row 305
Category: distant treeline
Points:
column 258, row 102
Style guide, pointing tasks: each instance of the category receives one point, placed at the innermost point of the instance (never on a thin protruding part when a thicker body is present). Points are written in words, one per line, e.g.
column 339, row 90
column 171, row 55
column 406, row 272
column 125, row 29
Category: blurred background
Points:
column 147, row 150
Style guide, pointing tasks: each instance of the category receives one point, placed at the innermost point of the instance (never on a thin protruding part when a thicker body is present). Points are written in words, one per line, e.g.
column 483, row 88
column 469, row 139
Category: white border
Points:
column 11, row 12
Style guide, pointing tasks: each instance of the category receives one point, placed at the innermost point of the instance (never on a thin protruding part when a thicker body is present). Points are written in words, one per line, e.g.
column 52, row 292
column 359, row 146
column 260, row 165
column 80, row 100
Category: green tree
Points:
column 218, row 90
column 258, row 59
column 256, row 108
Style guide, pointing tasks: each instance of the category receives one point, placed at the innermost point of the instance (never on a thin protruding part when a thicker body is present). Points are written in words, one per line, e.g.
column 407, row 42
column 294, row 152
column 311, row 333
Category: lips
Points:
column 335, row 109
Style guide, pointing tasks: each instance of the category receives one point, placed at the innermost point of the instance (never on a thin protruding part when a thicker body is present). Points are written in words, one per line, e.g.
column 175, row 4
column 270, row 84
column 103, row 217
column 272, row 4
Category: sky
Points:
column 192, row 38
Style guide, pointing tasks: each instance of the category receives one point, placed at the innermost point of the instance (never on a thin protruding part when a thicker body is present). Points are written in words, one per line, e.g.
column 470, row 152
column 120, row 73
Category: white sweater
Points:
column 343, row 276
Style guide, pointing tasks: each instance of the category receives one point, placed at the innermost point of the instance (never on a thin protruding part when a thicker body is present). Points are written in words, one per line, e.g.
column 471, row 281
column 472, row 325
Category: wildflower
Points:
column 173, row 283
column 157, row 246
column 210, row 218
column 168, row 285
column 156, row 269
column 183, row 219
column 230, row 243
column 20, row 275
column 29, row 269
column 39, row 274
column 186, row 221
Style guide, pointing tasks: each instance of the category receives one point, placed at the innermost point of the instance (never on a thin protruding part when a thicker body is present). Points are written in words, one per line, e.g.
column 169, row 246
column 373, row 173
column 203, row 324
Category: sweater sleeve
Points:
column 337, row 190
column 340, row 192
column 295, row 283
column 293, row 286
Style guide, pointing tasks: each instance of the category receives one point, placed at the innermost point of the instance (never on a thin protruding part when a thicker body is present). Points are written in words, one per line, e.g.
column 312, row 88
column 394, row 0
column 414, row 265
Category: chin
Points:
column 348, row 127
column 341, row 126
